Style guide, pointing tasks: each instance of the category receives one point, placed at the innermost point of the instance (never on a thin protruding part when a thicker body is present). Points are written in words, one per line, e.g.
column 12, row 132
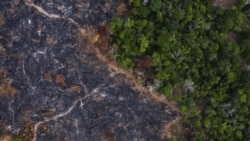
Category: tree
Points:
column 190, row 49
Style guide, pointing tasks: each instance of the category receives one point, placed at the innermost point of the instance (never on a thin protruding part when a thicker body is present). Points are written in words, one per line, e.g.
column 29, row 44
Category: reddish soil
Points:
column 224, row 3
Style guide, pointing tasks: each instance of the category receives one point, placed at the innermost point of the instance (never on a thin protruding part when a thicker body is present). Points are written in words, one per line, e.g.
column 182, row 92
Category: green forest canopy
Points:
column 202, row 50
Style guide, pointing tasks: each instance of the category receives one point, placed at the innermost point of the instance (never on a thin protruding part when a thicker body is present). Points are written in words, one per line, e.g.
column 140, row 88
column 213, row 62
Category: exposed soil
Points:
column 224, row 3
column 6, row 83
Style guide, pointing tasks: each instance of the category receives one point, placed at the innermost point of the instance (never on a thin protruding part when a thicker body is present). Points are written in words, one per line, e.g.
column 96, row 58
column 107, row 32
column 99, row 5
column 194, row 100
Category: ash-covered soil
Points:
column 53, row 88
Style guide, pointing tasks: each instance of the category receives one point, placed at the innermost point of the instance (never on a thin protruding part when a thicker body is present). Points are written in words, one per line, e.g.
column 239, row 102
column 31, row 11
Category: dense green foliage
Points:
column 199, row 48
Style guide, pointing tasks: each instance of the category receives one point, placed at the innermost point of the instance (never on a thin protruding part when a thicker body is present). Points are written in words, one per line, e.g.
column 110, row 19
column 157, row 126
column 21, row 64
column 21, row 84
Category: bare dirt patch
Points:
column 6, row 83
column 224, row 3
column 61, row 80
column 2, row 21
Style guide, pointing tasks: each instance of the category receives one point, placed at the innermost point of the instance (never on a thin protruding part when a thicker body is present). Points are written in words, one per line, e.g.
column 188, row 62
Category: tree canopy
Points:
column 202, row 50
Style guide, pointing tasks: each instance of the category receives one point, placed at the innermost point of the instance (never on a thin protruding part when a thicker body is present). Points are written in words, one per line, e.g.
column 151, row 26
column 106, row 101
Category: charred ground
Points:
column 54, row 87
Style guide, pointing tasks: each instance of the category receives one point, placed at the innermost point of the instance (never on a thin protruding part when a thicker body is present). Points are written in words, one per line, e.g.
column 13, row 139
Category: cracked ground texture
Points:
column 53, row 87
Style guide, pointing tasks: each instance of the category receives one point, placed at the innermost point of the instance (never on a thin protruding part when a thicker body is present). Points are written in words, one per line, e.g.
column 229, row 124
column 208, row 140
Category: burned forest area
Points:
column 56, row 84
column 124, row 70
